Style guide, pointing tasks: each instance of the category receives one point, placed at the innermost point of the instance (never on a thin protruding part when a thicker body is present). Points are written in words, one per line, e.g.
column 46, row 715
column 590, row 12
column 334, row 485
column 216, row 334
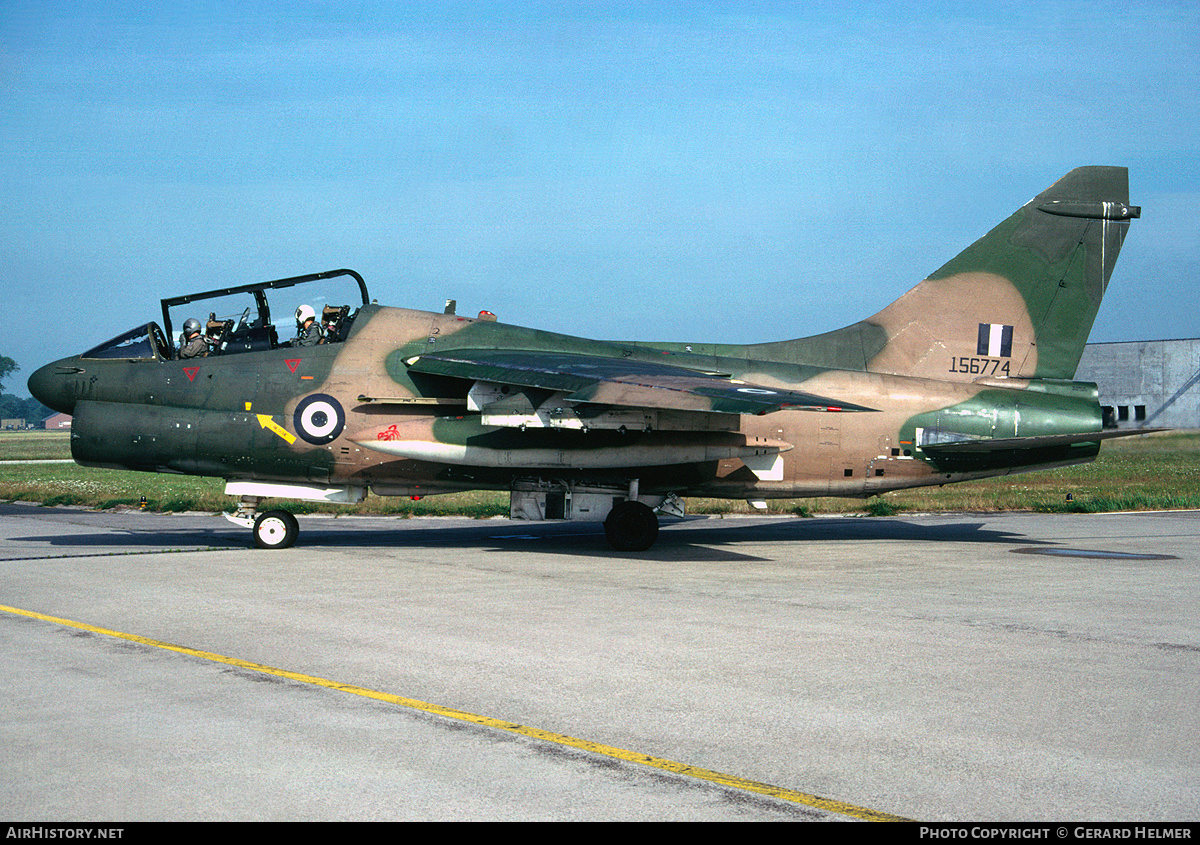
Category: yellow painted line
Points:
column 266, row 422
column 777, row 792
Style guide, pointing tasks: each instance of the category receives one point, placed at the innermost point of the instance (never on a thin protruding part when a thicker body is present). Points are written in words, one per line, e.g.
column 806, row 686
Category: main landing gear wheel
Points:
column 275, row 530
column 631, row 527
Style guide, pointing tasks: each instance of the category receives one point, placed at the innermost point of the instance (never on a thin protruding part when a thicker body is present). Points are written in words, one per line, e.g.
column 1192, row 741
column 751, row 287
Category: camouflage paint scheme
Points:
column 967, row 375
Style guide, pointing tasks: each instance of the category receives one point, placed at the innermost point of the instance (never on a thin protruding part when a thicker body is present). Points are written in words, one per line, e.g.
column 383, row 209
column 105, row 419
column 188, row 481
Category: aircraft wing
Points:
column 622, row 382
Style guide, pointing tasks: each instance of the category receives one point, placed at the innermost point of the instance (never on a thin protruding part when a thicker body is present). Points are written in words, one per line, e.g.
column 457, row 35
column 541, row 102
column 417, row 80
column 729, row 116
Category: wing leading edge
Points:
column 622, row 382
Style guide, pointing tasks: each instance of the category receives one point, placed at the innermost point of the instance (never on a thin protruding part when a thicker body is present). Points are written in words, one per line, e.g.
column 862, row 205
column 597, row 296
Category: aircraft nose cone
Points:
column 50, row 385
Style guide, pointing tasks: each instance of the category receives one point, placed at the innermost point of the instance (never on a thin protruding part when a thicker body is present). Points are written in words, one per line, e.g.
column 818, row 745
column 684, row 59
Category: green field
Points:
column 1155, row 472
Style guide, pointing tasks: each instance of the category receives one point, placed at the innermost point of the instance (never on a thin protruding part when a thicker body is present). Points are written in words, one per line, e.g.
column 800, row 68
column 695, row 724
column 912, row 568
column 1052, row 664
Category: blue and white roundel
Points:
column 319, row 418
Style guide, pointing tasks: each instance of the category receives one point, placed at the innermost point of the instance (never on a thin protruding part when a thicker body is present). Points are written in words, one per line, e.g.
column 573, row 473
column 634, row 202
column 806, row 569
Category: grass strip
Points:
column 1156, row 472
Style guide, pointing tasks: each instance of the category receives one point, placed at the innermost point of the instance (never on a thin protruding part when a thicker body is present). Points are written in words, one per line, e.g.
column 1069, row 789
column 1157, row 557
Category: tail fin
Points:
column 1018, row 302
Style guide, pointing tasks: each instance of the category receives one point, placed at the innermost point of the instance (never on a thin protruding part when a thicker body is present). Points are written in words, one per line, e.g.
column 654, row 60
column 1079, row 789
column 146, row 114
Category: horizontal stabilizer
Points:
column 1007, row 444
column 623, row 382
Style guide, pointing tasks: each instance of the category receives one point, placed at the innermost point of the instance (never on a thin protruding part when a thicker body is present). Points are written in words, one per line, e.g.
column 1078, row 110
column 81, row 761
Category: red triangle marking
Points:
column 191, row 372
column 292, row 363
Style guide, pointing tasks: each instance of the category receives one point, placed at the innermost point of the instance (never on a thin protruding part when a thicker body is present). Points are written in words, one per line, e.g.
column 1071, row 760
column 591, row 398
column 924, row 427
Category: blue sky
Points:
column 731, row 172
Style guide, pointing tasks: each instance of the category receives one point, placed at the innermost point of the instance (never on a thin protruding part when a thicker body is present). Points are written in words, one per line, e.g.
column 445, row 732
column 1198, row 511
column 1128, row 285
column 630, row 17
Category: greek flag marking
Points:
column 995, row 340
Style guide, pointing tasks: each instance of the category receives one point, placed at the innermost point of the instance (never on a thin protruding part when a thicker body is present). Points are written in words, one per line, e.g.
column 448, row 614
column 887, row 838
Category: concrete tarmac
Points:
column 1002, row 667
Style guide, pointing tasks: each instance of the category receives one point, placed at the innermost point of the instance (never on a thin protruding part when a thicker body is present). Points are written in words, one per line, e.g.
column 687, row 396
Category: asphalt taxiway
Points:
column 943, row 667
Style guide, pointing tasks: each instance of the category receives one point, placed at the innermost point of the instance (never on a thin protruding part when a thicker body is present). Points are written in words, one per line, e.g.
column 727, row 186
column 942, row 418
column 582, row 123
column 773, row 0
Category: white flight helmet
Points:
column 305, row 313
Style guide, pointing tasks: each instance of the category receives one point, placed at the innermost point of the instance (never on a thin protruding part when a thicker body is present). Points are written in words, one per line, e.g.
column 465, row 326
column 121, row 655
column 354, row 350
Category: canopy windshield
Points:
column 146, row 341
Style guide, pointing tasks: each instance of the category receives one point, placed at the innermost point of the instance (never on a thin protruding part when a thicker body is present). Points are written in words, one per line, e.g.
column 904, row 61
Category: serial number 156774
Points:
column 979, row 366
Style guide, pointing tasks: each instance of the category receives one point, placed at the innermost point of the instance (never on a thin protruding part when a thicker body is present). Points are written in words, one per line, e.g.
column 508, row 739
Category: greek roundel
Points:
column 319, row 419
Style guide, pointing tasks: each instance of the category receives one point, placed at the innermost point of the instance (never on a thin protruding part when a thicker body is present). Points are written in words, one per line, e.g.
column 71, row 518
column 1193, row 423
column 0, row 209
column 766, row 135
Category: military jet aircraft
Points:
column 968, row 375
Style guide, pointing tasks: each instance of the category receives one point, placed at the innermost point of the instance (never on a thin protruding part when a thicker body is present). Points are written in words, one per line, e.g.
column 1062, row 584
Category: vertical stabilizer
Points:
column 1019, row 302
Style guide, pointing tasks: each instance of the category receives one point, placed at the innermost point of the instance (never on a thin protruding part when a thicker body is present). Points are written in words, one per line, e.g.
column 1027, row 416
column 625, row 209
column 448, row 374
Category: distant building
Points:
column 1145, row 383
column 57, row 422
column 11, row 425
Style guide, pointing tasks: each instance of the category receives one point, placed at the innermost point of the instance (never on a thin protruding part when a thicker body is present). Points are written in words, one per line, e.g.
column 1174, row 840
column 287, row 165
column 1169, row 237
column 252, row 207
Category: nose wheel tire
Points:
column 631, row 527
column 275, row 530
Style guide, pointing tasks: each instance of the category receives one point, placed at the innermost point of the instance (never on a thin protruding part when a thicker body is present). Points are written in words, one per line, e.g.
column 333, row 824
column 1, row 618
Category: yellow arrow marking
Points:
column 266, row 422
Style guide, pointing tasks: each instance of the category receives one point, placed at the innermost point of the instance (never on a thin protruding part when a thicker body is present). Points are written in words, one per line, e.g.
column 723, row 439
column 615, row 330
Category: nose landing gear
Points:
column 275, row 530
column 271, row 529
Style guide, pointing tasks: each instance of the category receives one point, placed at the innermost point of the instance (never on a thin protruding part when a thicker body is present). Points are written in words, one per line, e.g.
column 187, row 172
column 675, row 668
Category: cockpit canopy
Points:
column 239, row 318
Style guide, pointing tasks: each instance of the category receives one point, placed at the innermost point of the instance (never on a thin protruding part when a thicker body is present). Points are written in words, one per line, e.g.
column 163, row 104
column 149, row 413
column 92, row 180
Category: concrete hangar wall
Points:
column 1145, row 383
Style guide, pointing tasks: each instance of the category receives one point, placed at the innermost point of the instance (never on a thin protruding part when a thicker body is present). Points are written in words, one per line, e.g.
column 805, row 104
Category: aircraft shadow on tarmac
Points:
column 680, row 540
column 713, row 540
column 721, row 540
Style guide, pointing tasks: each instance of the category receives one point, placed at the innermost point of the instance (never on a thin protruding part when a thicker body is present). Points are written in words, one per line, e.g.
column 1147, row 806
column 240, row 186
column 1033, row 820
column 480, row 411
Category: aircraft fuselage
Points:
column 240, row 416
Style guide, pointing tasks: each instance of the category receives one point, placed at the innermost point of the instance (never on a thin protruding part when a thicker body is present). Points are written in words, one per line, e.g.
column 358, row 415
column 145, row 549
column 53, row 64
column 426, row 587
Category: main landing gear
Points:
column 631, row 526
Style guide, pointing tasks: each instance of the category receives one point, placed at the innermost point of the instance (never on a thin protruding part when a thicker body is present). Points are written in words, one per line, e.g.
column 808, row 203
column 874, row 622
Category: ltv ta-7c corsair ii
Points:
column 968, row 375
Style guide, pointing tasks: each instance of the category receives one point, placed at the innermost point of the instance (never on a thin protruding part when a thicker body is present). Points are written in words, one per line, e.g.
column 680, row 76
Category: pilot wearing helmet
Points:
column 308, row 333
column 195, row 344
